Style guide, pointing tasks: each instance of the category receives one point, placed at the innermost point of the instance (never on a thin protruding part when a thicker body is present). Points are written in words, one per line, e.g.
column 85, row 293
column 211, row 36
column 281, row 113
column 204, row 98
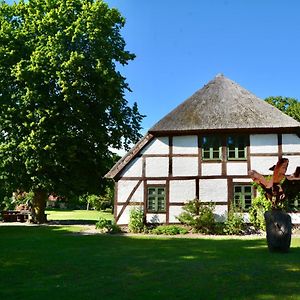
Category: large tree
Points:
column 63, row 101
column 289, row 106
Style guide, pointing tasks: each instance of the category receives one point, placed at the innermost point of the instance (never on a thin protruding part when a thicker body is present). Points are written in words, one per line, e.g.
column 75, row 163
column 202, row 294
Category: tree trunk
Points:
column 38, row 206
column 279, row 230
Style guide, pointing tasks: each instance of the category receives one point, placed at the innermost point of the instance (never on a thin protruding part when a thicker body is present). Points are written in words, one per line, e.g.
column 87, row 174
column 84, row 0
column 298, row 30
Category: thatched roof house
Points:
column 204, row 148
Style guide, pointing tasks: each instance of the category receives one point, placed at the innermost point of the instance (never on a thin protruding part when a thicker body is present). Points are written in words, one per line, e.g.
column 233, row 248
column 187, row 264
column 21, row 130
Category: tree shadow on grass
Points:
column 57, row 265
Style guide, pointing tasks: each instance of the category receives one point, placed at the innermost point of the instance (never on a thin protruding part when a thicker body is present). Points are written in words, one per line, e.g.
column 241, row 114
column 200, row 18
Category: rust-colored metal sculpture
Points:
column 278, row 223
column 272, row 187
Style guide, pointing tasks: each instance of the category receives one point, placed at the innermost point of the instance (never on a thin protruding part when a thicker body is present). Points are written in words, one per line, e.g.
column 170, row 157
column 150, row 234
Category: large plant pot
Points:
column 279, row 230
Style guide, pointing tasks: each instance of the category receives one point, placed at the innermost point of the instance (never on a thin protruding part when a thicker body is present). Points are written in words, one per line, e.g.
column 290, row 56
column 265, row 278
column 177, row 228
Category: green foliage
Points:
column 98, row 202
column 93, row 200
column 292, row 191
column 199, row 216
column 10, row 203
column 23, row 198
column 289, row 106
column 169, row 230
column 62, row 100
column 256, row 212
column 235, row 223
column 107, row 226
column 106, row 200
column 293, row 203
column 136, row 220
column 7, row 203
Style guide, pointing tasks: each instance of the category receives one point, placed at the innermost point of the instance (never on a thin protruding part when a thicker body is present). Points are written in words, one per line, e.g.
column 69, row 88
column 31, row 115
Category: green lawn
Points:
column 89, row 216
column 51, row 262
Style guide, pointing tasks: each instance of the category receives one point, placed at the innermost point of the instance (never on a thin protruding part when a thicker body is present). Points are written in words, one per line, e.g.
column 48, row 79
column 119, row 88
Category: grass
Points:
column 86, row 216
column 50, row 262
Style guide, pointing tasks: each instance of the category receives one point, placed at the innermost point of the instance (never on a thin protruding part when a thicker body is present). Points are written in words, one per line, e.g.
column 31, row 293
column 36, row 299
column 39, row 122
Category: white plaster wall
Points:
column 290, row 143
column 211, row 169
column 295, row 218
column 220, row 213
column 124, row 219
column 185, row 166
column 125, row 187
column 157, row 166
column 237, row 168
column 156, row 218
column 156, row 181
column 262, row 164
column 294, row 161
column 182, row 190
column 185, row 144
column 158, row 145
column 174, row 211
column 246, row 180
column 214, row 190
column 133, row 169
column 263, row 143
column 138, row 195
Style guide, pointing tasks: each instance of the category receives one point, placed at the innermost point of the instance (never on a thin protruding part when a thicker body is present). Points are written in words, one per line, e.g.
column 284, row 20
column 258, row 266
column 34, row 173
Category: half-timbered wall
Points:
column 176, row 163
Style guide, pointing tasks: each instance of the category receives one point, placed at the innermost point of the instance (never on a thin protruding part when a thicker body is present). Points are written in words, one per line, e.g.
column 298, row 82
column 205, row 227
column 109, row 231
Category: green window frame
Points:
column 236, row 147
column 211, row 148
column 156, row 199
column 242, row 196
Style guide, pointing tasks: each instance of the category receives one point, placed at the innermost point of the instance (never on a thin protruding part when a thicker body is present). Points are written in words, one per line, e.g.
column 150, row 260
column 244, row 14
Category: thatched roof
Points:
column 223, row 104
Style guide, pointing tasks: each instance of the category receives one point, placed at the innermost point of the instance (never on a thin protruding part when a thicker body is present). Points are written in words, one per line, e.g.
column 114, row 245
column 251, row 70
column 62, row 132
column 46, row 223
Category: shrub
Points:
column 169, row 230
column 106, row 200
column 199, row 216
column 99, row 202
column 136, row 220
column 235, row 223
column 258, row 207
column 107, row 226
column 7, row 204
column 17, row 198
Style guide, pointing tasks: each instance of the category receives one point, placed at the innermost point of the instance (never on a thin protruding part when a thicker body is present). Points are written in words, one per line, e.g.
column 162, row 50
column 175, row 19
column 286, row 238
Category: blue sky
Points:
column 181, row 45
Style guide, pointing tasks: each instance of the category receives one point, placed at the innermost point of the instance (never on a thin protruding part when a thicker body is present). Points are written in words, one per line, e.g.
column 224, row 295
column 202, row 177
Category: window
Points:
column 156, row 200
column 211, row 147
column 236, row 147
column 242, row 196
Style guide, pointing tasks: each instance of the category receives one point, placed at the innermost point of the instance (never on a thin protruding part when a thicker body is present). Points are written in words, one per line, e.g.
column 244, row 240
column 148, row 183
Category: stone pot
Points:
column 279, row 230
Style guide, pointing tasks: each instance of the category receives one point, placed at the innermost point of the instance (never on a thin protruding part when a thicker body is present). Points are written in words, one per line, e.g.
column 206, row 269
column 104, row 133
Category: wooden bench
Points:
column 15, row 215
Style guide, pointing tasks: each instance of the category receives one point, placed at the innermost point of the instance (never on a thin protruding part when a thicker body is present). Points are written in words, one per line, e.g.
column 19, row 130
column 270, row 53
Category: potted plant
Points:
column 278, row 222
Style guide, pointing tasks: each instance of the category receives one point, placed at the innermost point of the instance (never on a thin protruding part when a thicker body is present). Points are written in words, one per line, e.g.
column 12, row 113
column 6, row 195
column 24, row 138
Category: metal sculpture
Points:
column 278, row 223
column 272, row 187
